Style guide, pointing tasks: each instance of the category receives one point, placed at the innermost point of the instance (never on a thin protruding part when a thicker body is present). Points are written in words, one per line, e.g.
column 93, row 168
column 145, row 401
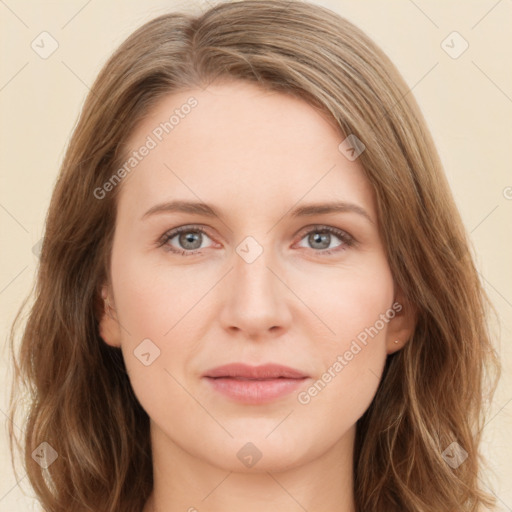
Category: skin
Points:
column 253, row 155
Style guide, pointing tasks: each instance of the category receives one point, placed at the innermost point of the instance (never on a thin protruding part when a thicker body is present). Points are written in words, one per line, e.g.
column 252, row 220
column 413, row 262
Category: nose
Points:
column 255, row 299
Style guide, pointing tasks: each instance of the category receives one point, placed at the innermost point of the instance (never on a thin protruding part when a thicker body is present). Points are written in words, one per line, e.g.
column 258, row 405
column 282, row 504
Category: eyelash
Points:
column 346, row 239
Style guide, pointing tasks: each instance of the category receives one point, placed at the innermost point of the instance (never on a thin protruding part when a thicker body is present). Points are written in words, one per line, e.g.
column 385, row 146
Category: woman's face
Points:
column 267, row 279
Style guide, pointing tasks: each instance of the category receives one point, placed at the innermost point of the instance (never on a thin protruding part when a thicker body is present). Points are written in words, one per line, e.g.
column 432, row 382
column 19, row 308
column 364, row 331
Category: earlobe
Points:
column 397, row 345
column 109, row 328
column 401, row 327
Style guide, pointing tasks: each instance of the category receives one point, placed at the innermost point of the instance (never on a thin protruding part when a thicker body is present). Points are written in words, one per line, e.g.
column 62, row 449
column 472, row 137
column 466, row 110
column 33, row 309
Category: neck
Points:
column 186, row 483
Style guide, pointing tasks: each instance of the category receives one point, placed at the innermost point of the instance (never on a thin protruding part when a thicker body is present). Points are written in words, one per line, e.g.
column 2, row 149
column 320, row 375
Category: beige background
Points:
column 467, row 102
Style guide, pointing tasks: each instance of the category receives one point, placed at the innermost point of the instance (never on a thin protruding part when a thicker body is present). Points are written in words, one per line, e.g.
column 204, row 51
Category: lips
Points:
column 254, row 384
column 263, row 372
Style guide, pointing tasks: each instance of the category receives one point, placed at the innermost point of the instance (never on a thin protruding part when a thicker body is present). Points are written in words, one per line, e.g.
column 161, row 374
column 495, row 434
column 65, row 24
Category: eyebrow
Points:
column 198, row 208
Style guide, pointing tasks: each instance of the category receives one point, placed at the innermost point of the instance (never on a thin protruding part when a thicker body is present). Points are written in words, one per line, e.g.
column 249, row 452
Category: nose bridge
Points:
column 256, row 300
column 251, row 266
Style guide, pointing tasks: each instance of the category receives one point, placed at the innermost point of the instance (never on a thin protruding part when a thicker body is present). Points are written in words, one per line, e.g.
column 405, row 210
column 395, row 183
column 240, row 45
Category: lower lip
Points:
column 254, row 391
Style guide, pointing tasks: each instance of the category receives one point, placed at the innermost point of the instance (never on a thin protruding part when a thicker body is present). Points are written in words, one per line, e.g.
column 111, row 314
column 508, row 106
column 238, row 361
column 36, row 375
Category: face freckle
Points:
column 260, row 289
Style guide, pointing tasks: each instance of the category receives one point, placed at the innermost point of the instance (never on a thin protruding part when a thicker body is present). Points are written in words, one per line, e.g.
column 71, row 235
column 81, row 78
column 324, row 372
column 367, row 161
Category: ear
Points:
column 401, row 326
column 109, row 328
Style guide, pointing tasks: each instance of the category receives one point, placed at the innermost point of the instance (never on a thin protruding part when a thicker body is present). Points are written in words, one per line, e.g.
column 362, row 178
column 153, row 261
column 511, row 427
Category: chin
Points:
column 241, row 455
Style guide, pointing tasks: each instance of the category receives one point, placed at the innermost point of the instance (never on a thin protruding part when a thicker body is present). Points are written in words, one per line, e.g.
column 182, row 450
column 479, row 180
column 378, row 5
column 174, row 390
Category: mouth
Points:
column 254, row 384
column 262, row 372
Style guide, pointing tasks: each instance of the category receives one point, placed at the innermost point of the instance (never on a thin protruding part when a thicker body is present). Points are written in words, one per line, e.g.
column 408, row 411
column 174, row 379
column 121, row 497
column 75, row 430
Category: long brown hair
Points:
column 432, row 392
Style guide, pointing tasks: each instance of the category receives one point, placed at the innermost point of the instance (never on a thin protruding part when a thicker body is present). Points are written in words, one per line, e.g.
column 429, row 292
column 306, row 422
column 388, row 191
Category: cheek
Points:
column 348, row 300
column 356, row 307
column 157, row 307
column 153, row 296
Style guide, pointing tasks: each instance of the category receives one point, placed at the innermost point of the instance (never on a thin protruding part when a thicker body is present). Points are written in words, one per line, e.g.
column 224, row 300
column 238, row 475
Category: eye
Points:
column 188, row 238
column 320, row 237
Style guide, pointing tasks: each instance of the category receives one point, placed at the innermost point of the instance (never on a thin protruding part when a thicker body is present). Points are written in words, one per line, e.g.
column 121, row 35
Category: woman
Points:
column 254, row 369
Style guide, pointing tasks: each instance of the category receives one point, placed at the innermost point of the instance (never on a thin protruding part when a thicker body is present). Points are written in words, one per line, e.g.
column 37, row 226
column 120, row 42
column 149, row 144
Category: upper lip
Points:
column 265, row 371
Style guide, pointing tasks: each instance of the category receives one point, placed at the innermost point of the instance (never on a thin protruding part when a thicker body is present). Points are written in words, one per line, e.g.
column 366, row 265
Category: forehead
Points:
column 236, row 141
